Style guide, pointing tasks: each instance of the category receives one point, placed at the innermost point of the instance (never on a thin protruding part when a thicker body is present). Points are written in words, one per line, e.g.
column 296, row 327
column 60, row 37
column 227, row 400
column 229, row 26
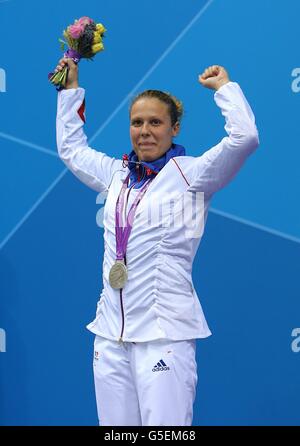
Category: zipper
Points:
column 121, row 295
column 122, row 309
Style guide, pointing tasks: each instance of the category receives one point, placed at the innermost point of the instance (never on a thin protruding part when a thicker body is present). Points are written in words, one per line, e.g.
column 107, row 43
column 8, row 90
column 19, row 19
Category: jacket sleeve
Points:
column 93, row 168
column 218, row 165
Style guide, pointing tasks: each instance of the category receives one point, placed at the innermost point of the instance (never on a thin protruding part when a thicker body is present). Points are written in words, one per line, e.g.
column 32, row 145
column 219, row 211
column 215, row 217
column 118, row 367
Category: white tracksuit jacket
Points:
column 159, row 299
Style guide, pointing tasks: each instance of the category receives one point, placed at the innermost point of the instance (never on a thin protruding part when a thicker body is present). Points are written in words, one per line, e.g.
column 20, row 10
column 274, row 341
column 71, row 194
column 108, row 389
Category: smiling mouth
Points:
column 147, row 143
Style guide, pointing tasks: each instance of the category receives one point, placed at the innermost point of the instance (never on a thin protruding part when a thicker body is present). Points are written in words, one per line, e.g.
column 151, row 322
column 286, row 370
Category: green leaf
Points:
column 62, row 44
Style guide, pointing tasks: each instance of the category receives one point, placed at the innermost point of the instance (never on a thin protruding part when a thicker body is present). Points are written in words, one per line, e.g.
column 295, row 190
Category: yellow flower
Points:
column 97, row 47
column 100, row 28
column 97, row 37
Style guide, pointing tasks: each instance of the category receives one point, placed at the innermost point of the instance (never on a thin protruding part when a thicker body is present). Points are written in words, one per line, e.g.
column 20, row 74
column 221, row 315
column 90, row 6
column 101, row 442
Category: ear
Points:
column 175, row 129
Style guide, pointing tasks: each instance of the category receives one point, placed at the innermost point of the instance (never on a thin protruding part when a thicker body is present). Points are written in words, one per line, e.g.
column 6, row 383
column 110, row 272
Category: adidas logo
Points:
column 160, row 366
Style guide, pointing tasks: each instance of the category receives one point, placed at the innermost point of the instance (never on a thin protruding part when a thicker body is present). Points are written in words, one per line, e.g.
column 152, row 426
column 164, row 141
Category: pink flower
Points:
column 85, row 20
column 76, row 30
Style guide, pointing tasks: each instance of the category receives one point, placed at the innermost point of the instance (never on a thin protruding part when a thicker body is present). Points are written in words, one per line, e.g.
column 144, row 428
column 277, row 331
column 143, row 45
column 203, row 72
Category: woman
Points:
column 149, row 315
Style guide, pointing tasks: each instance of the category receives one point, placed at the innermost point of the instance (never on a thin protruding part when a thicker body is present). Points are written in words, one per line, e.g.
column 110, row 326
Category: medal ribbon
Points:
column 122, row 235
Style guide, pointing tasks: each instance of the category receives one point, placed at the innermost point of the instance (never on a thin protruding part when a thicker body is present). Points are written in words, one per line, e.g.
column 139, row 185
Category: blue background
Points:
column 247, row 268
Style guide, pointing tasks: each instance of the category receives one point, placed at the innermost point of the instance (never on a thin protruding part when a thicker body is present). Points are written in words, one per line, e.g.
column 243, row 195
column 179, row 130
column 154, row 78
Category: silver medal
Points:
column 118, row 274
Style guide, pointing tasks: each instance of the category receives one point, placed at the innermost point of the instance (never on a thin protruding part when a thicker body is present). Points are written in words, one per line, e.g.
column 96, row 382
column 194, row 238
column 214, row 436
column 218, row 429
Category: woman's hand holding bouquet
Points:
column 84, row 40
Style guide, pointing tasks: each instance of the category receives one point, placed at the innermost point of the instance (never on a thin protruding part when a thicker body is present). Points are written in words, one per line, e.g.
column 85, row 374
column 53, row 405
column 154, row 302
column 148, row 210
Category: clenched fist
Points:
column 214, row 77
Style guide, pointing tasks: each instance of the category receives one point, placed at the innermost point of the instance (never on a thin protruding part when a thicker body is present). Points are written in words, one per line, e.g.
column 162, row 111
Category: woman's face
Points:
column 151, row 131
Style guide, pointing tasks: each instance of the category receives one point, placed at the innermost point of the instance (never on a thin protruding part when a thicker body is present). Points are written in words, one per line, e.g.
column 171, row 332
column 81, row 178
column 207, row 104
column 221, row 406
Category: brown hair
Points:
column 175, row 106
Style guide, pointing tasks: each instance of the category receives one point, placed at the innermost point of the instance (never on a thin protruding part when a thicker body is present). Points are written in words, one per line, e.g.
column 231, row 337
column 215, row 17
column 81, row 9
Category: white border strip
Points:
column 32, row 209
column 29, row 144
column 255, row 225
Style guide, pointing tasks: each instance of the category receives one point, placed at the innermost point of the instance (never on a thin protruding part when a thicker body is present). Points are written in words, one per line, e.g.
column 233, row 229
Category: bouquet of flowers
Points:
column 84, row 40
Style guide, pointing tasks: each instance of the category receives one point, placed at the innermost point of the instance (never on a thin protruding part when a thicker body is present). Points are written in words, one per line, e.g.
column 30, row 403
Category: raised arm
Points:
column 218, row 165
column 93, row 168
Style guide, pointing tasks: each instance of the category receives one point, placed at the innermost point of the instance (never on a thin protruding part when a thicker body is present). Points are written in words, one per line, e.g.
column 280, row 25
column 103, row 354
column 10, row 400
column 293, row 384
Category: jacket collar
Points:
column 141, row 171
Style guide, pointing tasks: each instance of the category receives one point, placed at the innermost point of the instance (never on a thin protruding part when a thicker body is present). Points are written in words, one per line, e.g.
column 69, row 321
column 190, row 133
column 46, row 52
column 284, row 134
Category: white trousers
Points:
column 146, row 383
